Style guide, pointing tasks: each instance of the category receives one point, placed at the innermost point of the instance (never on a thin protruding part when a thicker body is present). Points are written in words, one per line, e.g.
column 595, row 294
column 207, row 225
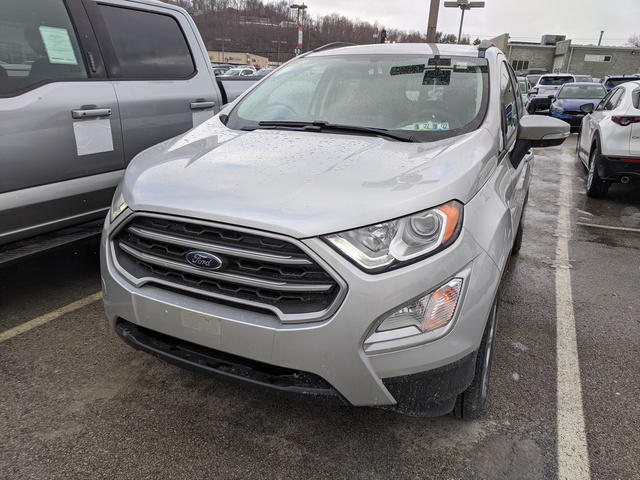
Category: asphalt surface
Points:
column 76, row 402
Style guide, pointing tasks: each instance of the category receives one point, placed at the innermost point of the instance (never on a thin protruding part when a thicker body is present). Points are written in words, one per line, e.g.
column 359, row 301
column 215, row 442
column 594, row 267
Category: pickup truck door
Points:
column 61, row 151
column 159, row 67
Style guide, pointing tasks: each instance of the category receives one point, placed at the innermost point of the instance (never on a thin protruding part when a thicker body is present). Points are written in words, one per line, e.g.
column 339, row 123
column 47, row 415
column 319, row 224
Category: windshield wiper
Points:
column 323, row 126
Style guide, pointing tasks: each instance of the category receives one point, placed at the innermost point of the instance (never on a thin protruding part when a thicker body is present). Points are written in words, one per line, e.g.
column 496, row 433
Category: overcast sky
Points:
column 525, row 20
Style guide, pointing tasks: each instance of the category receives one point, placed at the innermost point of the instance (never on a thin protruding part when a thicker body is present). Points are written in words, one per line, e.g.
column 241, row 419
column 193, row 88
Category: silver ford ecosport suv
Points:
column 341, row 229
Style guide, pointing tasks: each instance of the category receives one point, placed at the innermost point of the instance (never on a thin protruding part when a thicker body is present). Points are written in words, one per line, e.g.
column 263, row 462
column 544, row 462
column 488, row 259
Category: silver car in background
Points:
column 342, row 229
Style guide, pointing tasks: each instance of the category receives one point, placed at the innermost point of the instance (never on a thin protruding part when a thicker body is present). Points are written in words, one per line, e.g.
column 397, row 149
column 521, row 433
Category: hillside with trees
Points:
column 269, row 28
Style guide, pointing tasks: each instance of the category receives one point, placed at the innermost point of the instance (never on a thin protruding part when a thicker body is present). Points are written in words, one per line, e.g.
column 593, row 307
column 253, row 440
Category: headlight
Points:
column 118, row 205
column 557, row 109
column 390, row 244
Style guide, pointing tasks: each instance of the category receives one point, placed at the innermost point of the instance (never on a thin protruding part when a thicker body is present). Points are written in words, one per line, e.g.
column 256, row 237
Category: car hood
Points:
column 303, row 184
column 574, row 103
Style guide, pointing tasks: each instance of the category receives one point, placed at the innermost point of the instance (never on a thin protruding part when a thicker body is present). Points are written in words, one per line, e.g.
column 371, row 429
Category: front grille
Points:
column 258, row 270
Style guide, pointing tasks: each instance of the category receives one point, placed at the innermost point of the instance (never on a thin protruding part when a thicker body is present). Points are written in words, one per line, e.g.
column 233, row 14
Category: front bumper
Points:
column 573, row 120
column 332, row 349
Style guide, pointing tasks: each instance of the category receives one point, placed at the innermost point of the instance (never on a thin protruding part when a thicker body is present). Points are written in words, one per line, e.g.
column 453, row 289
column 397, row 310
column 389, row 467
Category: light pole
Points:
column 433, row 21
column 300, row 14
column 463, row 5
column 223, row 40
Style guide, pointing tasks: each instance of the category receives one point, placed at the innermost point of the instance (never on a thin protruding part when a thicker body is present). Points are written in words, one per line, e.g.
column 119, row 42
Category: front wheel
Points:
column 470, row 403
column 596, row 187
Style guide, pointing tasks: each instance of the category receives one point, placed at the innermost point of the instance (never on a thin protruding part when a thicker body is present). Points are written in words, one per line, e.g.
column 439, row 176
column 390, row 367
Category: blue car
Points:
column 566, row 104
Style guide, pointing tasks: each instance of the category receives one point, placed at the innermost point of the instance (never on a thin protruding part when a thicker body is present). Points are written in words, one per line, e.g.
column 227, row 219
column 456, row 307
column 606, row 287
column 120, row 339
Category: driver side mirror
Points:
column 587, row 108
column 538, row 131
column 542, row 131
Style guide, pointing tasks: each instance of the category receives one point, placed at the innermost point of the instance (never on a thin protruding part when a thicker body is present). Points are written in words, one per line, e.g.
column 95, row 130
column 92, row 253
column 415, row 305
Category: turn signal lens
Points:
column 427, row 313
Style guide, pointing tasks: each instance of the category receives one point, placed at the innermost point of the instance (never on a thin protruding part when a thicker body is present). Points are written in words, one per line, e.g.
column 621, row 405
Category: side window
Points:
column 508, row 95
column 145, row 45
column 37, row 45
column 614, row 100
column 514, row 82
column 605, row 100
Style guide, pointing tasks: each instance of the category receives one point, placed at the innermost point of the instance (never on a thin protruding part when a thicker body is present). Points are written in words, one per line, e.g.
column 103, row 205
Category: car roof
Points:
column 401, row 48
column 557, row 75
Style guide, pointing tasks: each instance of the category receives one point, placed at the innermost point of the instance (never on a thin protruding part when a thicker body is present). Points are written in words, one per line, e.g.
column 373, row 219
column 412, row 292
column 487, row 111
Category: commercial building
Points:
column 238, row 58
column 556, row 53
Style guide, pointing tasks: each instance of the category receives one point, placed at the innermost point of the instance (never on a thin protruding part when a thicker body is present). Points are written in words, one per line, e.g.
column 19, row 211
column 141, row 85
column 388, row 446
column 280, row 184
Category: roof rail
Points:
column 332, row 45
column 482, row 48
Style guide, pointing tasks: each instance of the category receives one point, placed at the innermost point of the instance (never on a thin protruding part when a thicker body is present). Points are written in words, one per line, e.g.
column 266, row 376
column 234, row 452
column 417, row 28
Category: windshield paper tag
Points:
column 431, row 126
column 58, row 45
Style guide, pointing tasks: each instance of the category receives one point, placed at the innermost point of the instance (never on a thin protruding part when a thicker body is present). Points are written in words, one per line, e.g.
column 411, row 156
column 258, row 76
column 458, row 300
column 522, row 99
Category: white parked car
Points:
column 609, row 142
column 547, row 87
column 240, row 72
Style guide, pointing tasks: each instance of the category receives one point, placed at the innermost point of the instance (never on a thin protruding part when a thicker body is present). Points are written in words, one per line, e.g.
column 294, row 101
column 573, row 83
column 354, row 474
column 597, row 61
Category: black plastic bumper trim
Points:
column 213, row 362
column 434, row 392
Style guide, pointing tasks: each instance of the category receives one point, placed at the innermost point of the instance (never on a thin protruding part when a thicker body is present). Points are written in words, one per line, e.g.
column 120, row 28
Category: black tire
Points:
column 470, row 403
column 595, row 186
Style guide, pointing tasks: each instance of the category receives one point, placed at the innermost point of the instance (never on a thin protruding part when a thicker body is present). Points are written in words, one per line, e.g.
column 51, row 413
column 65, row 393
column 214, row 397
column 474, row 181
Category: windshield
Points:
column 432, row 98
column 232, row 73
column 614, row 82
column 533, row 79
column 582, row 92
column 555, row 81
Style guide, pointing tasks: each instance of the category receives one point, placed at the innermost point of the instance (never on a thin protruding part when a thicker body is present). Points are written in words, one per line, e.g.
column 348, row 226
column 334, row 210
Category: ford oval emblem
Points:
column 203, row 260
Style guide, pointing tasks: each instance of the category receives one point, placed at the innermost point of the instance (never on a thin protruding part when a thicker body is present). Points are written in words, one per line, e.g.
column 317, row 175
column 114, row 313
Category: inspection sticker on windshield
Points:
column 58, row 45
column 430, row 126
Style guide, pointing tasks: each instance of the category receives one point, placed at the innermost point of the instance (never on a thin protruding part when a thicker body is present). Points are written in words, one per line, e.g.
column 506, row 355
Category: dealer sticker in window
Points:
column 428, row 126
column 58, row 45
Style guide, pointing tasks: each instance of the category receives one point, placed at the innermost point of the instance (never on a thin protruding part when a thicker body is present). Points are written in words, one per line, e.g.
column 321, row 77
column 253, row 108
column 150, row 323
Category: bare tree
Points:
column 634, row 40
column 258, row 26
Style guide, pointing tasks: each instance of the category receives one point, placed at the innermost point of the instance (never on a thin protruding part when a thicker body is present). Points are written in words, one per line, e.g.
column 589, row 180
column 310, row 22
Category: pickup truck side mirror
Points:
column 552, row 97
column 587, row 108
column 538, row 131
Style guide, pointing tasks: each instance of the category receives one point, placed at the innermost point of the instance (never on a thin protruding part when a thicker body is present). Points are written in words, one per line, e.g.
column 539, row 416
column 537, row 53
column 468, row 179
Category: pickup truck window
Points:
column 38, row 45
column 554, row 81
column 146, row 45
column 431, row 97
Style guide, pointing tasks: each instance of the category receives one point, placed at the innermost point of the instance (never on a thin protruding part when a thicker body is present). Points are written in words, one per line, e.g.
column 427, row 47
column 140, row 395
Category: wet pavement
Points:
column 76, row 402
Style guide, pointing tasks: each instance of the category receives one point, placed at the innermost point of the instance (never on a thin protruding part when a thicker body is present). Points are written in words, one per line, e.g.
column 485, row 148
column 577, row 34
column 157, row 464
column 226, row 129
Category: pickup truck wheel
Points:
column 470, row 403
column 596, row 187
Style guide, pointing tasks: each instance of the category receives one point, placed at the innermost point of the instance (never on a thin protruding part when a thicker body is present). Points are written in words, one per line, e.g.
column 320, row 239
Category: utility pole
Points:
column 223, row 40
column 279, row 42
column 433, row 21
column 600, row 39
column 463, row 5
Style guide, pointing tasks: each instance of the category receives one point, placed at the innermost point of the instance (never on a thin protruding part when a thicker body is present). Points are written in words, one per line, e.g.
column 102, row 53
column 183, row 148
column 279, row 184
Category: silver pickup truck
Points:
column 86, row 86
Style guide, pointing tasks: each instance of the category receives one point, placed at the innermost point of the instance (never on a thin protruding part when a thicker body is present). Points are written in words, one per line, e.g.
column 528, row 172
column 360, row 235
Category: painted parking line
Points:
column 609, row 227
column 47, row 317
column 573, row 456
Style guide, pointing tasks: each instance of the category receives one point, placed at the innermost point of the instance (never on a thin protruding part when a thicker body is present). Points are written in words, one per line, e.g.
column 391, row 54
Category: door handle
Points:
column 91, row 112
column 202, row 104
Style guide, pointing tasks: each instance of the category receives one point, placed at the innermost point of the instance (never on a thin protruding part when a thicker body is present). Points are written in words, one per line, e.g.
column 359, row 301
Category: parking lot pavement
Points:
column 79, row 403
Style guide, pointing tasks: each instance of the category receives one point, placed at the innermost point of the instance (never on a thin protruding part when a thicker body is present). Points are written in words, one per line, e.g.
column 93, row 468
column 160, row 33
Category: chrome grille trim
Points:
column 295, row 255
column 252, row 282
column 211, row 247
